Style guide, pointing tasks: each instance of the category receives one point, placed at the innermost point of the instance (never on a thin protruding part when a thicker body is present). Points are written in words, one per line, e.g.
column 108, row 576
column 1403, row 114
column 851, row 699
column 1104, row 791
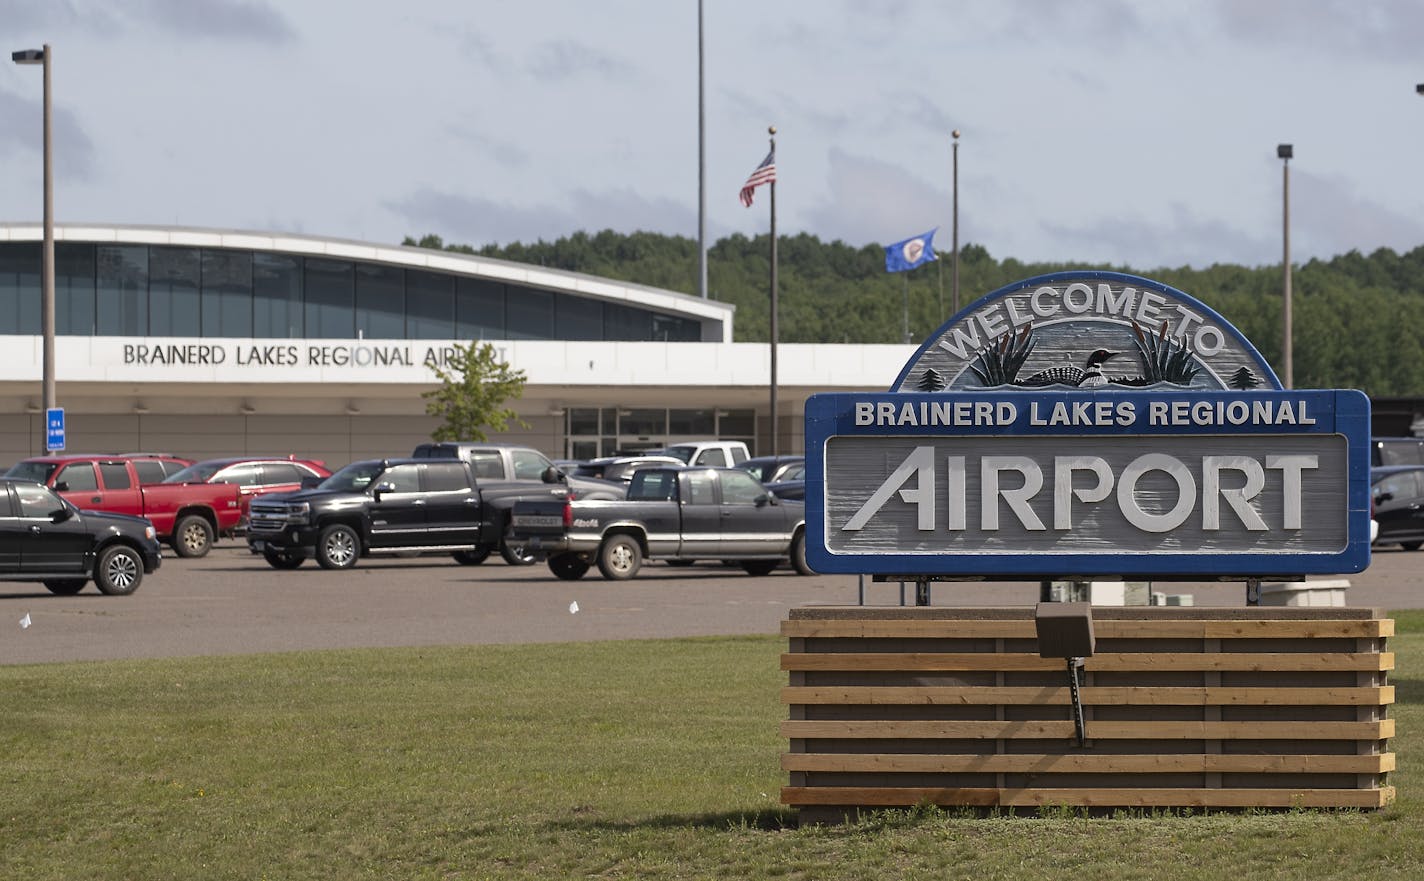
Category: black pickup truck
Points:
column 392, row 506
column 673, row 513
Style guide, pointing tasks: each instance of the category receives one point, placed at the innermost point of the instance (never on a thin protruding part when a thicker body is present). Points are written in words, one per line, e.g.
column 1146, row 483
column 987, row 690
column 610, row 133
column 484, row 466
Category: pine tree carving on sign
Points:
column 930, row 381
column 1243, row 379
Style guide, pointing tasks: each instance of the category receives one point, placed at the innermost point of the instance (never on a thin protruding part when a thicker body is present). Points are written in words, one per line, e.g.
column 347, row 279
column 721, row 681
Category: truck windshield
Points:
column 682, row 454
column 39, row 472
column 353, row 478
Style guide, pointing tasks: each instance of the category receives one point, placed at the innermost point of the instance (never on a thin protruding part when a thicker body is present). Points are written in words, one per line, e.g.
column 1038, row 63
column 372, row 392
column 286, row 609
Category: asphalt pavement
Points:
column 231, row 602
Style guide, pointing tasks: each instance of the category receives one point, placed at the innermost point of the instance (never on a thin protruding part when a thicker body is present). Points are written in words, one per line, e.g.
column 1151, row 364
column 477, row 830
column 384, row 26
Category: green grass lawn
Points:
column 654, row 759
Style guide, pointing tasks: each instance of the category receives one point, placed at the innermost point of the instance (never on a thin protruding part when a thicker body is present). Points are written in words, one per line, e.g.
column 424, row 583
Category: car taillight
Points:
column 568, row 515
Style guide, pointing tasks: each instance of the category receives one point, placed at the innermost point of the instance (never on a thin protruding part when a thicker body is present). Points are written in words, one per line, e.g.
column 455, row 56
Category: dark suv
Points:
column 1397, row 494
column 44, row 538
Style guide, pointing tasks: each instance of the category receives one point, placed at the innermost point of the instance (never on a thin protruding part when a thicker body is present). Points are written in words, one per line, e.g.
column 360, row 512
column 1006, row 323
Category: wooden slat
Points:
column 1203, row 798
column 1091, row 695
column 1079, row 763
column 1136, row 629
column 1113, row 662
column 1096, row 730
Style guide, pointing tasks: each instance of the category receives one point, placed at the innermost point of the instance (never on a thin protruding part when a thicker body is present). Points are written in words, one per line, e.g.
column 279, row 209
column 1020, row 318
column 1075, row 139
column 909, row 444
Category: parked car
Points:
column 791, row 490
column 677, row 514
column 390, row 506
column 254, row 475
column 511, row 462
column 717, row 453
column 619, row 469
column 1397, row 497
column 189, row 516
column 46, row 539
column 1396, row 451
column 770, row 469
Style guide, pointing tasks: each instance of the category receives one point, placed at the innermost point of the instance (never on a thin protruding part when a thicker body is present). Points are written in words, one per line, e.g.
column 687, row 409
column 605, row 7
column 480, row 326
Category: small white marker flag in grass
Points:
column 25, row 622
column 573, row 607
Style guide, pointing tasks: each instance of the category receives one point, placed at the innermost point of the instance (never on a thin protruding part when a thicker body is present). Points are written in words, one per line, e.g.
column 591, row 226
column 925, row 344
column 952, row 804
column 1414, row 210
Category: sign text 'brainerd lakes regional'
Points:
column 261, row 354
column 1088, row 424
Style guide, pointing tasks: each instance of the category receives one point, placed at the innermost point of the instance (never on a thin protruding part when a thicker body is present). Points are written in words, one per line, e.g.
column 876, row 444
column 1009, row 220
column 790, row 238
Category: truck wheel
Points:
column 568, row 567
column 798, row 555
column 471, row 558
column 192, row 536
column 119, row 571
column 338, row 547
column 66, row 587
column 283, row 559
column 515, row 554
column 620, row 557
column 759, row 567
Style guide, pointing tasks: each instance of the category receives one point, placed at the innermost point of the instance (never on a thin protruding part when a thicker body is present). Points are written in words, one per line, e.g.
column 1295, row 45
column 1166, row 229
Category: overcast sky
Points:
column 1117, row 132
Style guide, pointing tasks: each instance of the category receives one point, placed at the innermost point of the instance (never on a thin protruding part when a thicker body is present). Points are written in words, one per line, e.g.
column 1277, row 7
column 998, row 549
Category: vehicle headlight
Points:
column 299, row 512
column 149, row 534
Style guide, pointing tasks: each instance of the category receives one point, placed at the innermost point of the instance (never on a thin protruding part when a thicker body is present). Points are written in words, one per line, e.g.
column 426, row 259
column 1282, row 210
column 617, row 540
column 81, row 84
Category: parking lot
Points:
column 231, row 602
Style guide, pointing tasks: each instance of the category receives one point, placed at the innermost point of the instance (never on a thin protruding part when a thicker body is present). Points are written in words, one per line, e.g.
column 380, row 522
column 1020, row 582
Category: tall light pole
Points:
column 44, row 57
column 701, row 165
column 1285, row 152
column 954, row 276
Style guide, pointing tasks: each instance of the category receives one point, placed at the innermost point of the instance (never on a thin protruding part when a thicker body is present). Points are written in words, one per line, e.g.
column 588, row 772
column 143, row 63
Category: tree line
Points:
column 1353, row 315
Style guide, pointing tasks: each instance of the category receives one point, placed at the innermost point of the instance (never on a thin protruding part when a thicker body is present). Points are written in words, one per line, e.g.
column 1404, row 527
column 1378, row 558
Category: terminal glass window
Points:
column 20, row 288
column 667, row 328
column 122, row 290
column 74, row 289
column 330, row 299
column 578, row 318
column 174, row 306
column 626, row 323
column 479, row 310
column 529, row 314
column 430, row 306
column 380, row 302
column 227, row 294
column 276, row 296
column 645, row 423
column 699, row 423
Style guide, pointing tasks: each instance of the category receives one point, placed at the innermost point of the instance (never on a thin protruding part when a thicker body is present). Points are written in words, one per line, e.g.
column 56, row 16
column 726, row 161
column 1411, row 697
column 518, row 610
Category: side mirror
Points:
column 382, row 489
column 765, row 499
column 553, row 475
column 1384, row 497
column 59, row 515
column 61, row 486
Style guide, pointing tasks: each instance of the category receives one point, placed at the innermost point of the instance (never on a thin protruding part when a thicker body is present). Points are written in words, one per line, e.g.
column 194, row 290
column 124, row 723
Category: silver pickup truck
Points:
column 677, row 514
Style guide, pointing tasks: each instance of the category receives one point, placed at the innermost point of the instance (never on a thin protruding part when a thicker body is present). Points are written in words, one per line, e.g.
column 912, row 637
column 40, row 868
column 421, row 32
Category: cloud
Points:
column 873, row 201
column 1376, row 29
column 1178, row 237
column 566, row 60
column 24, row 133
column 1329, row 217
column 507, row 153
column 476, row 221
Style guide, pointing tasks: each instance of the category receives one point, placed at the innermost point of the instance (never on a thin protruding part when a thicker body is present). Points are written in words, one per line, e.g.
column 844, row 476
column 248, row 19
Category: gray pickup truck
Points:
column 672, row 513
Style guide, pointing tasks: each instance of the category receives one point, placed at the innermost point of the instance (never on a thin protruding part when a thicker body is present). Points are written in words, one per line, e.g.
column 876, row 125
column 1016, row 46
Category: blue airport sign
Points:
column 1019, row 484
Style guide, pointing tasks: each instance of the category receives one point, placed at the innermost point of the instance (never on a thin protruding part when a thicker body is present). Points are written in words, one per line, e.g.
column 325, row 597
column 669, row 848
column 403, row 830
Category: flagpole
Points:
column 771, row 130
column 701, row 166
column 905, row 276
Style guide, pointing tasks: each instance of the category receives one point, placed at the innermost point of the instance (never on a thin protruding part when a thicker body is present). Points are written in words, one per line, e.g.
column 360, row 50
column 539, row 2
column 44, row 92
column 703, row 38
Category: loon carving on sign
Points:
column 1085, row 330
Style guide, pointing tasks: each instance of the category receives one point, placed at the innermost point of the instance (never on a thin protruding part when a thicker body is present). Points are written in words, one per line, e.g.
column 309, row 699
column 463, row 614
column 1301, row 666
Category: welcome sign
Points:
column 1088, row 424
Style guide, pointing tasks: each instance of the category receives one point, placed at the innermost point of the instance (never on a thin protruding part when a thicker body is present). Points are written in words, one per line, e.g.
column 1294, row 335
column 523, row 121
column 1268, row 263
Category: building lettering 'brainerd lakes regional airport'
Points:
column 211, row 342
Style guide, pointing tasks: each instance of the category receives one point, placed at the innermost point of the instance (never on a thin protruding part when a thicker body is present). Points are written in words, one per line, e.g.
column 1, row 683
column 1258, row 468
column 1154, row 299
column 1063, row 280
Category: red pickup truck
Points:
column 189, row 516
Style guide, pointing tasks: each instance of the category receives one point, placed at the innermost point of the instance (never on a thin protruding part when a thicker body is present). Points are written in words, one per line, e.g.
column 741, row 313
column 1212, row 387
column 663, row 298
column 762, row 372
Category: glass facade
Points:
column 152, row 290
column 590, row 432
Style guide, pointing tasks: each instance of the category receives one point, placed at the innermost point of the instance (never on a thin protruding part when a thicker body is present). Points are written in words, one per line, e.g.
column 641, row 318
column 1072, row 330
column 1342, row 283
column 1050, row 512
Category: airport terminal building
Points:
column 207, row 343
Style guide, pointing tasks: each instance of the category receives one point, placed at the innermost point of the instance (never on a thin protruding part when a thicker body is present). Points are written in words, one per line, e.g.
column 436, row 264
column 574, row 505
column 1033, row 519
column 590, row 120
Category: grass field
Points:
column 653, row 759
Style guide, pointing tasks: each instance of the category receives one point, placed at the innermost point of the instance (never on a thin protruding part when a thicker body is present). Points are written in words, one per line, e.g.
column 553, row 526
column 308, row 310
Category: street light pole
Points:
column 954, row 276
column 44, row 57
column 1285, row 152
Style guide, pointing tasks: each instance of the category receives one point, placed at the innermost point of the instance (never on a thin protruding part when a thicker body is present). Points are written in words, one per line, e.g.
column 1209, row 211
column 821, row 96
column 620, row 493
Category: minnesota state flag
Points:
column 910, row 253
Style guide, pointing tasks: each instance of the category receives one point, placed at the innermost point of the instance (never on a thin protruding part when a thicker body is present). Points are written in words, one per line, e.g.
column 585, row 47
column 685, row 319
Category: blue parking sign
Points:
column 54, row 429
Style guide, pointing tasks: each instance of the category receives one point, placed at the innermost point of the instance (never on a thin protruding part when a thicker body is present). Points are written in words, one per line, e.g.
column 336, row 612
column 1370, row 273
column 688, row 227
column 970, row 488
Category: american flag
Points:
column 764, row 174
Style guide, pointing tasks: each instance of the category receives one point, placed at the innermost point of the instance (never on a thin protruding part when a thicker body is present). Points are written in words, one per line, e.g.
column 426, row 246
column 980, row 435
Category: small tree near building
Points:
column 475, row 385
